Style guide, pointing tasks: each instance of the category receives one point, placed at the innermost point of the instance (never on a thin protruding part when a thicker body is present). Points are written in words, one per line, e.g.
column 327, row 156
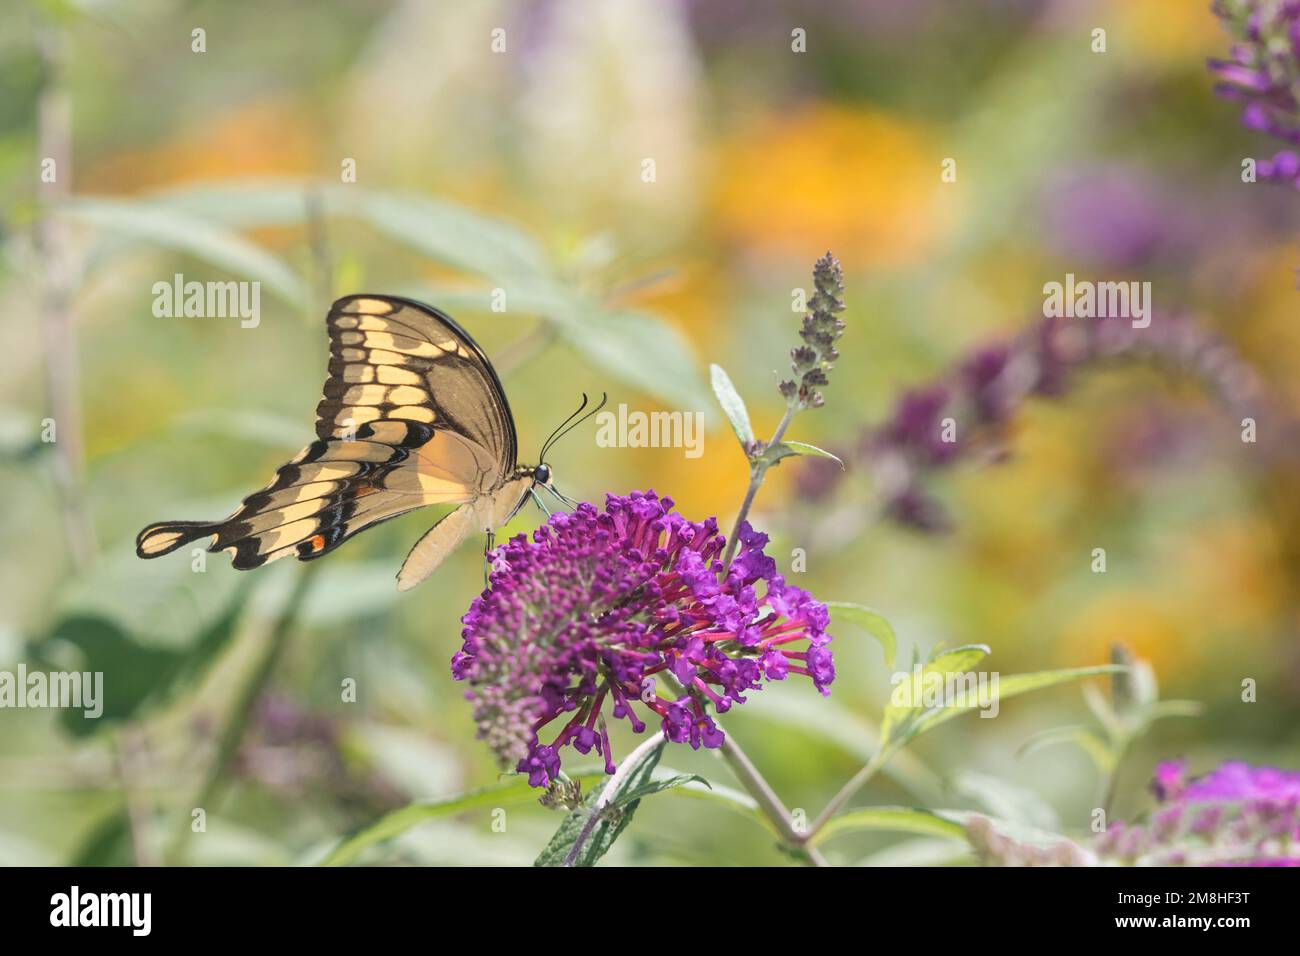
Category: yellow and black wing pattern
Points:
column 413, row 415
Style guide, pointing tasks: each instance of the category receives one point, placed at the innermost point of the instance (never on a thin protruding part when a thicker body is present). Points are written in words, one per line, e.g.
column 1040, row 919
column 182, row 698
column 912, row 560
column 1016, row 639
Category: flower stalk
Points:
column 809, row 362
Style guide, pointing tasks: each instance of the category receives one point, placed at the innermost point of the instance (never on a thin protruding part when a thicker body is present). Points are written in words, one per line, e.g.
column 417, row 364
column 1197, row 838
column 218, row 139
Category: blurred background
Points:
column 648, row 182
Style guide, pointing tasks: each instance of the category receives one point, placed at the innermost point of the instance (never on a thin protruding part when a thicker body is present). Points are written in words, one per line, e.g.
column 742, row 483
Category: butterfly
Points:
column 413, row 415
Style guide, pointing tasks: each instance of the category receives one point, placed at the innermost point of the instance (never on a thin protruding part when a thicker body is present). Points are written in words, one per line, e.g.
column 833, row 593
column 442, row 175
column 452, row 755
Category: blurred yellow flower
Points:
column 1148, row 624
column 1173, row 32
column 854, row 180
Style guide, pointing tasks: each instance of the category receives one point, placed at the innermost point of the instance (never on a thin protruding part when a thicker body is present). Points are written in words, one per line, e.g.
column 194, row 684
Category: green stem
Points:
column 757, row 472
column 858, row 781
column 1119, row 748
column 241, row 712
column 756, row 784
column 57, row 325
column 626, row 766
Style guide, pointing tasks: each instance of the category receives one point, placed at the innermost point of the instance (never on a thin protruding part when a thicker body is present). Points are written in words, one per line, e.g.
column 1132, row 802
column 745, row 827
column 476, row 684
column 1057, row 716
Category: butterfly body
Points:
column 413, row 415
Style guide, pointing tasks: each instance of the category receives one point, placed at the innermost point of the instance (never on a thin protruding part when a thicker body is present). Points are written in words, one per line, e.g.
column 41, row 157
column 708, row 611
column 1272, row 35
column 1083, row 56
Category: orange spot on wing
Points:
column 317, row 542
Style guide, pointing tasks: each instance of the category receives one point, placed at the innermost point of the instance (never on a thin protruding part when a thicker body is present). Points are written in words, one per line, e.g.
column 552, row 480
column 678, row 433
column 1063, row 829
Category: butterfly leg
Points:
column 487, row 559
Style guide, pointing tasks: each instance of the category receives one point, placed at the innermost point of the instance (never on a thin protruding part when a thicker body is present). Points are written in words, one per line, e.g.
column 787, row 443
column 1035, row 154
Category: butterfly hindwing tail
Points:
column 164, row 537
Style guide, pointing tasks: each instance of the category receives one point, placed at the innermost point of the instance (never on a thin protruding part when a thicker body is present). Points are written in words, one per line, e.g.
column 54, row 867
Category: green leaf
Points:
column 957, row 660
column 1015, row 685
column 1097, row 749
column 108, row 843
column 658, row 785
column 733, row 406
column 899, row 721
column 919, row 851
column 893, row 819
column 641, row 349
column 450, row 234
column 787, row 449
column 142, row 221
column 512, row 791
column 871, row 621
column 139, row 674
column 1176, row 708
column 249, row 203
column 1019, row 832
column 775, row 454
column 446, row 232
column 611, row 817
column 735, row 800
column 530, row 296
column 1005, row 800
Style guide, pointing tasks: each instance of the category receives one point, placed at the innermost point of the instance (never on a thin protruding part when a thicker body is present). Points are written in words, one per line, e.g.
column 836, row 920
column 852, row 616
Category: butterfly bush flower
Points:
column 1236, row 815
column 817, row 355
column 984, row 391
column 584, row 615
column 1263, row 72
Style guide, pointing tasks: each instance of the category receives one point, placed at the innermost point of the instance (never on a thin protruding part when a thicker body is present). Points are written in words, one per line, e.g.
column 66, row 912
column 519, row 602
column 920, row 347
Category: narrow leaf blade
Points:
column 871, row 621
column 733, row 406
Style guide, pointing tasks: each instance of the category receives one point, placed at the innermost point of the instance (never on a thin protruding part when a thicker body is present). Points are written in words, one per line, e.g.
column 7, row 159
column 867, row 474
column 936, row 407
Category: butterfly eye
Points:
column 542, row 474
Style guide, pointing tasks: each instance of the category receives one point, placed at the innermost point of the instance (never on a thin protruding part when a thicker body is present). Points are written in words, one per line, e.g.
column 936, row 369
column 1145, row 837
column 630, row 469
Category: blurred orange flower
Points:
column 266, row 138
column 858, row 181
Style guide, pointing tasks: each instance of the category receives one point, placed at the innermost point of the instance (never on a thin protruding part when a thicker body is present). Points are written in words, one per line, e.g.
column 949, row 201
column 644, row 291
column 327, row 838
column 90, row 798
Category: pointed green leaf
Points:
column 1097, row 749
column 450, row 234
column 658, row 785
column 733, row 406
column 803, row 448
column 1013, row 686
column 611, row 818
column 774, row 454
column 900, row 721
column 873, row 622
column 214, row 243
column 512, row 791
column 892, row 819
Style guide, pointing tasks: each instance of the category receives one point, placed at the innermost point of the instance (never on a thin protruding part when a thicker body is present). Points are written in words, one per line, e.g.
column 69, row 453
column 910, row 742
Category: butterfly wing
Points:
column 486, row 513
column 413, row 415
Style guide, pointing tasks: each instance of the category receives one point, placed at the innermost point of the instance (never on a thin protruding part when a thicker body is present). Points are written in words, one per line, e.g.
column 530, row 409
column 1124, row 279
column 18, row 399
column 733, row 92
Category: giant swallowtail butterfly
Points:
column 413, row 415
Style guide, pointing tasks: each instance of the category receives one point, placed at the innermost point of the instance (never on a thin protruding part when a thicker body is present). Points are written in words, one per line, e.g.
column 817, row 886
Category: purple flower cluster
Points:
column 1263, row 72
column 598, row 602
column 964, row 416
column 811, row 361
column 1236, row 815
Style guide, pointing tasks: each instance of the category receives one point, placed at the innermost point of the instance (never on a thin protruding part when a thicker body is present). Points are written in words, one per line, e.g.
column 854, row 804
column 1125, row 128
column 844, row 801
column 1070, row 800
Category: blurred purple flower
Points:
column 599, row 602
column 983, row 392
column 1233, row 780
column 1111, row 216
column 1236, row 815
column 1263, row 73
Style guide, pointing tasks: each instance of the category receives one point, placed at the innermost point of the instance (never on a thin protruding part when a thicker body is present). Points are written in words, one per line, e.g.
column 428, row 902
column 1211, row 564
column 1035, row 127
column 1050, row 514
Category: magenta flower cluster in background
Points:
column 598, row 602
column 1263, row 73
column 1236, row 815
column 986, row 388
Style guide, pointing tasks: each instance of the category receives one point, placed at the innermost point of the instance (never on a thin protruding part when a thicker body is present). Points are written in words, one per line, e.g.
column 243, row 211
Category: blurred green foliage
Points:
column 523, row 172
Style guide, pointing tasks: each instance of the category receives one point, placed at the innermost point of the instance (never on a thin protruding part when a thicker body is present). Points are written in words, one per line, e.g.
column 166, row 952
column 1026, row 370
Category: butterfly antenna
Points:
column 572, row 422
column 558, row 428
